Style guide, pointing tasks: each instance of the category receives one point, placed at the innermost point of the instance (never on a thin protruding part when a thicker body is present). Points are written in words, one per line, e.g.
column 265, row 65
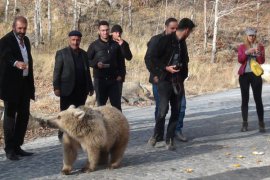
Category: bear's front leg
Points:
column 70, row 147
column 93, row 158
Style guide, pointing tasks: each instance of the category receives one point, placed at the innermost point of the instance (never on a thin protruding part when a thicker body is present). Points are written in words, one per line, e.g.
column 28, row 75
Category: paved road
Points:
column 216, row 150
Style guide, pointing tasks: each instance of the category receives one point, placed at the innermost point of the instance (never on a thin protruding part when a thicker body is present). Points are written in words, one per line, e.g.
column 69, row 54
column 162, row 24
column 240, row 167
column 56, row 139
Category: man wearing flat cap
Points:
column 116, row 33
column 71, row 77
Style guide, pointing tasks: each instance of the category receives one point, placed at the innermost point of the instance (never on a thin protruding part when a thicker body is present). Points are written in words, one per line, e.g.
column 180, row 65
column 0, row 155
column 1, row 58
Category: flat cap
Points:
column 251, row 31
column 75, row 33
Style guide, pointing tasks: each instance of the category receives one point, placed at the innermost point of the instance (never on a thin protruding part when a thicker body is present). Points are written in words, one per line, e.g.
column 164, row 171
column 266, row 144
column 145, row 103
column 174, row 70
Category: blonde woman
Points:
column 248, row 51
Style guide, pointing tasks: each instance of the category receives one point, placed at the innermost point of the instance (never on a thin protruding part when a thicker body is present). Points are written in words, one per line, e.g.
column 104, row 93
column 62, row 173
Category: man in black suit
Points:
column 16, row 86
column 71, row 77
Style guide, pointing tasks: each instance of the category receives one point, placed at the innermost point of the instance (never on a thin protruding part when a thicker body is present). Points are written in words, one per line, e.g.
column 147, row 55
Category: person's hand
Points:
column 91, row 92
column 119, row 78
column 119, row 40
column 57, row 92
column 171, row 69
column 251, row 51
column 155, row 79
column 100, row 65
column 21, row 65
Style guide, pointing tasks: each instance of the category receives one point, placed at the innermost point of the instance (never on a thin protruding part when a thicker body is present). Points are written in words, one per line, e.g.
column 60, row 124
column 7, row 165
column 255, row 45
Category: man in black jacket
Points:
column 170, row 27
column 169, row 63
column 71, row 77
column 104, row 55
column 16, row 86
column 116, row 33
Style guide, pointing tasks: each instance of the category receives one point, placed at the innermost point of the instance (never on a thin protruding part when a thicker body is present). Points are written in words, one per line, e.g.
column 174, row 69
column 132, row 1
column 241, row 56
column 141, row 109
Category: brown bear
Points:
column 103, row 132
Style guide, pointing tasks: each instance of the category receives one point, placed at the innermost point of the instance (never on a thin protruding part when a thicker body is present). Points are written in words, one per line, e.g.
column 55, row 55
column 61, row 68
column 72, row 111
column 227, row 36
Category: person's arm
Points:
column 242, row 56
column 58, row 67
column 91, row 56
column 261, row 54
column 125, row 50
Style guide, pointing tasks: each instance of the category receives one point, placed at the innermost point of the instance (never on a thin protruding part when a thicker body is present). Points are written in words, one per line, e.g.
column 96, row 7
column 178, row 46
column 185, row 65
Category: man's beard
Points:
column 21, row 35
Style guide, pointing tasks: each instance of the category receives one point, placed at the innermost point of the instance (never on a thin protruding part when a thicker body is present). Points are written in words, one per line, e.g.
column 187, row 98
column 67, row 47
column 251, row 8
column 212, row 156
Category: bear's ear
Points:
column 79, row 114
column 71, row 107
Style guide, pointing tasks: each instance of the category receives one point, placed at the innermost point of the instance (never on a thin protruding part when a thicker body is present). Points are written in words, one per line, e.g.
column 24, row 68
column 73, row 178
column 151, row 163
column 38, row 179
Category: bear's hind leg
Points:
column 116, row 155
column 93, row 158
column 70, row 147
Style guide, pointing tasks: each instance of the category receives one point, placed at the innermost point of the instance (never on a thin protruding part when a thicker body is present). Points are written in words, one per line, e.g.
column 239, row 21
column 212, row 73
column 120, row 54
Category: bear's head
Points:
column 68, row 120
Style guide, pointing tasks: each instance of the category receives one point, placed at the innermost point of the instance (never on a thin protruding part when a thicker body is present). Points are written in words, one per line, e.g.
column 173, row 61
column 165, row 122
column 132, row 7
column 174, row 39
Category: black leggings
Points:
column 256, row 84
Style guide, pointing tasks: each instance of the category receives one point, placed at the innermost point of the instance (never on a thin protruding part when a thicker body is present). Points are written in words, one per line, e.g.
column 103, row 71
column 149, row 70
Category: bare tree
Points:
column 219, row 14
column 49, row 21
column 75, row 15
column 37, row 23
column 6, row 10
column 165, row 13
column 258, row 11
column 122, row 13
column 15, row 8
column 159, row 16
column 205, row 26
column 130, row 14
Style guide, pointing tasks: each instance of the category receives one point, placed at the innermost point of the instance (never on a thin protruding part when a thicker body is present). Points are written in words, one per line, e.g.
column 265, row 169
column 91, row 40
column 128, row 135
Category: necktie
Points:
column 21, row 42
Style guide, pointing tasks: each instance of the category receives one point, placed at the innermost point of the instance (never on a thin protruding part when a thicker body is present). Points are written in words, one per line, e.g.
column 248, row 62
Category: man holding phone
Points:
column 116, row 33
column 104, row 55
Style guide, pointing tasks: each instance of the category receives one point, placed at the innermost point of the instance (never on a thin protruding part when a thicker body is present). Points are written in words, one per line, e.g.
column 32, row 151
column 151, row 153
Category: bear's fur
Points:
column 103, row 132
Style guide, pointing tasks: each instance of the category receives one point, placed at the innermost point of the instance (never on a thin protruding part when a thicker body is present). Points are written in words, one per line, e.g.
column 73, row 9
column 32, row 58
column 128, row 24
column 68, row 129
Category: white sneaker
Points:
column 181, row 137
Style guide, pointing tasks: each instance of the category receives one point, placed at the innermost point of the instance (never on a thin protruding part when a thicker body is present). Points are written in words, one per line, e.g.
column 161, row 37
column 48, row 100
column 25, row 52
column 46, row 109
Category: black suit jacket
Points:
column 64, row 72
column 11, row 77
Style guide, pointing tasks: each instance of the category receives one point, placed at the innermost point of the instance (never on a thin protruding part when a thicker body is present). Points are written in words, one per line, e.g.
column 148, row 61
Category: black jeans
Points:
column 166, row 96
column 16, row 119
column 256, row 84
column 107, row 89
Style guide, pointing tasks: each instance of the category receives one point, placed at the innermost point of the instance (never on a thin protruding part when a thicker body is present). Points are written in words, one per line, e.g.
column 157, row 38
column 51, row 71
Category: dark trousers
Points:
column 166, row 96
column 66, row 101
column 120, row 84
column 256, row 84
column 16, row 118
column 107, row 89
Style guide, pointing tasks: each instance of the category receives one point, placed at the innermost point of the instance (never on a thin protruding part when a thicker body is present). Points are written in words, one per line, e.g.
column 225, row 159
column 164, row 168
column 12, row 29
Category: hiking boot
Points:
column 170, row 145
column 179, row 136
column 152, row 141
column 244, row 126
column 261, row 127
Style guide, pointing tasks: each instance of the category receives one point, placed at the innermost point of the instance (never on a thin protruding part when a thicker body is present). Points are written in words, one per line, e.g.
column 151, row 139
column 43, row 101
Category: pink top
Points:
column 242, row 57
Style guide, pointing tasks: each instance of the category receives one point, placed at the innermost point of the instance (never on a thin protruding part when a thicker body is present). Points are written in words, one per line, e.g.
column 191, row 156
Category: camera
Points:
column 176, row 63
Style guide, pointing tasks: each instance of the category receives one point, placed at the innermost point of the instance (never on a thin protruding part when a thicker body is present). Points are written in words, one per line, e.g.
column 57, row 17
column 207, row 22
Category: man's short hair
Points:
column 169, row 20
column 19, row 18
column 103, row 23
column 185, row 23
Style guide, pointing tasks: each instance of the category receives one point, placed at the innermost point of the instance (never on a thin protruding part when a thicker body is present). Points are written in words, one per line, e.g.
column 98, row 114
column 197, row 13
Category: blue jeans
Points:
column 182, row 113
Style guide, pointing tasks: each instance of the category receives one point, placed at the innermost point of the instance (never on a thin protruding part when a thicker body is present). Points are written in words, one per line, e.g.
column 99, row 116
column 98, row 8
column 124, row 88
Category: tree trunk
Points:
column 6, row 10
column 159, row 16
column 122, row 13
column 130, row 14
column 205, row 27
column 165, row 13
column 15, row 8
column 36, row 23
column 258, row 12
column 214, row 48
column 40, row 22
column 49, row 21
column 75, row 15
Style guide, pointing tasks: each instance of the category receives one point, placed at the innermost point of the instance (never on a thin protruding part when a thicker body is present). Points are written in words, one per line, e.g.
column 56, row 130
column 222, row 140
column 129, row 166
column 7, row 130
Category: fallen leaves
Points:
column 258, row 153
column 189, row 170
column 236, row 165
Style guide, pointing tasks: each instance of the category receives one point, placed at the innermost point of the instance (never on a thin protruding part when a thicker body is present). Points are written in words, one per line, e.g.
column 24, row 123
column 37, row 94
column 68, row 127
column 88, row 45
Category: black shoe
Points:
column 244, row 126
column 60, row 135
column 12, row 156
column 170, row 145
column 261, row 127
column 21, row 152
